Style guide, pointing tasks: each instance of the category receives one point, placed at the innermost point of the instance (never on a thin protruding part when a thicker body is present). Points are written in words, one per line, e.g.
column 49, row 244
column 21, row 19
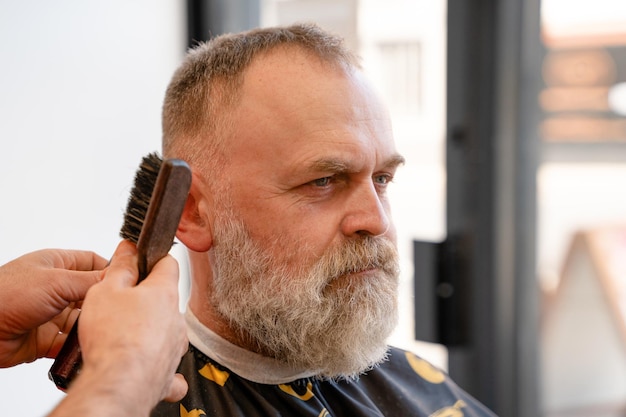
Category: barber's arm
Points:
column 132, row 338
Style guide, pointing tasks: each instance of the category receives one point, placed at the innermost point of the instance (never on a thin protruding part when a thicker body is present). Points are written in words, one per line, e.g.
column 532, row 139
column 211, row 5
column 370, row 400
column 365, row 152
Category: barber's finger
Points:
column 51, row 336
column 122, row 269
column 165, row 272
column 78, row 260
column 177, row 389
column 74, row 272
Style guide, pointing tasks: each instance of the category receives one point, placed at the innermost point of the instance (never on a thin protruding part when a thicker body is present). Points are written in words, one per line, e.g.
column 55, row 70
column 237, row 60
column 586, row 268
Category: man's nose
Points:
column 366, row 214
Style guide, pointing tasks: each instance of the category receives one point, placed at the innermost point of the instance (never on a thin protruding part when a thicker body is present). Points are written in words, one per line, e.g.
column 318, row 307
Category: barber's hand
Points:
column 132, row 334
column 38, row 292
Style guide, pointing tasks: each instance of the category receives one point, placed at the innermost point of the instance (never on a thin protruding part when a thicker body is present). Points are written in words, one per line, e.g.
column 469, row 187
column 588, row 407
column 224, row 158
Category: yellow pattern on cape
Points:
column 453, row 411
column 425, row 369
column 304, row 397
column 196, row 412
column 211, row 373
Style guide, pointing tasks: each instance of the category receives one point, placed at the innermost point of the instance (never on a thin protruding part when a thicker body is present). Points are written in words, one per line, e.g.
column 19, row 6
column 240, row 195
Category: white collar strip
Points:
column 246, row 364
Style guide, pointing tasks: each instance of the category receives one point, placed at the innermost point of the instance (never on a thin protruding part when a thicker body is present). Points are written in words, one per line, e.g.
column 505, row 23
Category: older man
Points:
column 291, row 244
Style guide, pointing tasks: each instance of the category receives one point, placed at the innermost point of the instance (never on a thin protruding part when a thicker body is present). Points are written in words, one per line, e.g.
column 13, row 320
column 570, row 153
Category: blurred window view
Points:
column 581, row 248
column 400, row 65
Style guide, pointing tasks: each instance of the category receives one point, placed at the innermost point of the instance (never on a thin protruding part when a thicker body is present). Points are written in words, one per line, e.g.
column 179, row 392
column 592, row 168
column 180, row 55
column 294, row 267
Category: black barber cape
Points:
column 402, row 386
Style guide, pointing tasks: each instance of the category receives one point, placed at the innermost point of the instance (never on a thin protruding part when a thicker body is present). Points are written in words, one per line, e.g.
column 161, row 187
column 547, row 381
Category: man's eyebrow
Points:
column 395, row 161
column 341, row 166
column 330, row 165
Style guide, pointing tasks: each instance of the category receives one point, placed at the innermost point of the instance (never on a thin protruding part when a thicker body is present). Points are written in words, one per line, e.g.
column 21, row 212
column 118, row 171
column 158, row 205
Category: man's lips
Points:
column 351, row 274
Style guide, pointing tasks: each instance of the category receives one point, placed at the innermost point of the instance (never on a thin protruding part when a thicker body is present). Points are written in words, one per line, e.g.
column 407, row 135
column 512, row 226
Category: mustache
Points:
column 360, row 255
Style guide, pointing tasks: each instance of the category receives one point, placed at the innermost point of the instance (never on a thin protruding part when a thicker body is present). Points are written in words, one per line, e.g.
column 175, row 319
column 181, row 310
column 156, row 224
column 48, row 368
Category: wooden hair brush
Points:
column 152, row 215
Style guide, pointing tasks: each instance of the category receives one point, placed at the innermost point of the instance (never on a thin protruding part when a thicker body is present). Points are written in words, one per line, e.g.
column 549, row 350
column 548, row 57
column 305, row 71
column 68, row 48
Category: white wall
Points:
column 81, row 86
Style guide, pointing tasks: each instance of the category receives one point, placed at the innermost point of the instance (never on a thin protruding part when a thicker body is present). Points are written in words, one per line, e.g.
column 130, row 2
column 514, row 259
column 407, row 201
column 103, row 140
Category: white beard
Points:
column 316, row 316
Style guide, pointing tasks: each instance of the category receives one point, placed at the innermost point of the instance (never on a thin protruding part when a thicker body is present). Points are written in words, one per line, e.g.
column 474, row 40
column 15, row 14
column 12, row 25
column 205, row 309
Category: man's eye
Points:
column 321, row 182
column 383, row 179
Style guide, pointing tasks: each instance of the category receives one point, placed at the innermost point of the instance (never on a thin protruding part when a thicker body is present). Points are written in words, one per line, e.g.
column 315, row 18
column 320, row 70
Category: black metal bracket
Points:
column 441, row 292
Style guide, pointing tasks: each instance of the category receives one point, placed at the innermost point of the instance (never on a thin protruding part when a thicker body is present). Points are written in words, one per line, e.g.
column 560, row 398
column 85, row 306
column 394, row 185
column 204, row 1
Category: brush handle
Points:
column 155, row 240
column 163, row 215
column 66, row 366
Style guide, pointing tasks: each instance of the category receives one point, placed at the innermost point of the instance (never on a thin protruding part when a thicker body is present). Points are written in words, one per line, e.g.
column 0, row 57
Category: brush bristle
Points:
column 140, row 195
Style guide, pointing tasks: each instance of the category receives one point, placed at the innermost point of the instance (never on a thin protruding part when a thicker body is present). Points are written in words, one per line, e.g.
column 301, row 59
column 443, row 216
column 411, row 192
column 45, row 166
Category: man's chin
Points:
column 342, row 355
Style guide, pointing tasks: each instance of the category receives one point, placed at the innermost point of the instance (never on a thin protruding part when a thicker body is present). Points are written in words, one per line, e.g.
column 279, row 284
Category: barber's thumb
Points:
column 177, row 389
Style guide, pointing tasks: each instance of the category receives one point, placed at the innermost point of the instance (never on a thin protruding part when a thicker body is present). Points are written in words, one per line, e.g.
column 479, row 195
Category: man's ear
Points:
column 194, row 229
